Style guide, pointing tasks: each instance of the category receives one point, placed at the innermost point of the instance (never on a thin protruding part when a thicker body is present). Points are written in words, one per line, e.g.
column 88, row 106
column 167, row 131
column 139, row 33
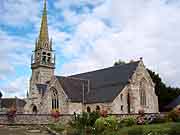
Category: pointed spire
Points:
column 43, row 36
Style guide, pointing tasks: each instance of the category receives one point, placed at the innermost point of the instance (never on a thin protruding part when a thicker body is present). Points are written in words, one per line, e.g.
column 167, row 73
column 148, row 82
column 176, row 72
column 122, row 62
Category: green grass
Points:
column 151, row 129
column 154, row 129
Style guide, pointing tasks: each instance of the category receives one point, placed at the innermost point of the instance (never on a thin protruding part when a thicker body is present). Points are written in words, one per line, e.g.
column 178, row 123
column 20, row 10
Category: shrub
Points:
column 11, row 114
column 104, row 113
column 174, row 116
column 129, row 121
column 93, row 116
column 106, row 125
column 141, row 112
column 111, row 122
column 84, row 122
column 100, row 124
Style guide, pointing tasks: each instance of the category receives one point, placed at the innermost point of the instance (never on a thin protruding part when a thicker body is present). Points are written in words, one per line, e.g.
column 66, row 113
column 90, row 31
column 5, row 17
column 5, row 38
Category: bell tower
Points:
column 43, row 58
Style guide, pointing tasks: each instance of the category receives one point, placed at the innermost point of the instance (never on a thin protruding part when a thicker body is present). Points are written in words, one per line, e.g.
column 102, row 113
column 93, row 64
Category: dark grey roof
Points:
column 174, row 103
column 9, row 102
column 73, row 87
column 104, row 84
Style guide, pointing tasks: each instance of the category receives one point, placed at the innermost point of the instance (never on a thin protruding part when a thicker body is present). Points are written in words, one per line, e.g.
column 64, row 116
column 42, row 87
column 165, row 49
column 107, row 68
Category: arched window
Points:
column 34, row 109
column 142, row 92
column 88, row 109
column 98, row 108
column 121, row 97
column 55, row 99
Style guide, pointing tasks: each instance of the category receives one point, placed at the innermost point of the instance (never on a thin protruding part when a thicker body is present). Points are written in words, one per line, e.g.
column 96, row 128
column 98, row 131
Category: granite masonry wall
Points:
column 31, row 119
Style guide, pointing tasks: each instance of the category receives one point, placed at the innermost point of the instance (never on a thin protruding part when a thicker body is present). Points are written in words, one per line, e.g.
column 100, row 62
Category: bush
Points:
column 100, row 124
column 111, row 123
column 129, row 121
column 93, row 116
column 106, row 125
column 84, row 122
column 174, row 116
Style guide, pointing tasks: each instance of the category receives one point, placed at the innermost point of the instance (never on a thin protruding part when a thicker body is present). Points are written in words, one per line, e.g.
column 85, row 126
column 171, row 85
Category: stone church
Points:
column 121, row 89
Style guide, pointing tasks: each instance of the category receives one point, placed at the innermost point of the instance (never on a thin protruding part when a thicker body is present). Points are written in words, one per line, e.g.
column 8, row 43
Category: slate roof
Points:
column 174, row 103
column 104, row 85
column 73, row 87
column 9, row 102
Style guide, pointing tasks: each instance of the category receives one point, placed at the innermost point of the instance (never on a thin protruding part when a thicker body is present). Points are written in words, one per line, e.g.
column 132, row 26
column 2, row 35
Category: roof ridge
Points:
column 75, row 78
column 105, row 68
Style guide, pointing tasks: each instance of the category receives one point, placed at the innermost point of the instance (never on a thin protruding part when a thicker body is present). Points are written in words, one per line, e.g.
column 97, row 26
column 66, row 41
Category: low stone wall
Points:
column 46, row 118
column 33, row 119
column 134, row 115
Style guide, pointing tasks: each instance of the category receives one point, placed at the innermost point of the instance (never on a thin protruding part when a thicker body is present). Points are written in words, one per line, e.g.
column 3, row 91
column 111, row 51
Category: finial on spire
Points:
column 43, row 36
column 44, row 4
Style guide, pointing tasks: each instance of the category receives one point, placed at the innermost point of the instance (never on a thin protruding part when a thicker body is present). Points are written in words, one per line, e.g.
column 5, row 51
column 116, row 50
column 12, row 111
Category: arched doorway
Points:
column 34, row 109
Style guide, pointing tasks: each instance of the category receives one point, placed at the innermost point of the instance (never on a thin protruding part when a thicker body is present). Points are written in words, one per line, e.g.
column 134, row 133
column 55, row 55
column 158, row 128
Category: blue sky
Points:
column 89, row 35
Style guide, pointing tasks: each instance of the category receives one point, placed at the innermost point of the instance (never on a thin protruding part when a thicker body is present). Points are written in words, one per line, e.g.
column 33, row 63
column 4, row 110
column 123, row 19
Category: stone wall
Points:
column 31, row 119
column 34, row 119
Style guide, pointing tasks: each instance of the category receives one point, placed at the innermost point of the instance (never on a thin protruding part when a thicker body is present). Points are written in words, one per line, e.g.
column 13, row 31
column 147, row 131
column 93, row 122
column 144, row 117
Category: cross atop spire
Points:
column 43, row 35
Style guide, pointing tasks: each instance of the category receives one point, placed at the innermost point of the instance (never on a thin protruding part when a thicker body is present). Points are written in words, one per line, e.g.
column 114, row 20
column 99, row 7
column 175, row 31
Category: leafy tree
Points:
column 165, row 94
column 119, row 62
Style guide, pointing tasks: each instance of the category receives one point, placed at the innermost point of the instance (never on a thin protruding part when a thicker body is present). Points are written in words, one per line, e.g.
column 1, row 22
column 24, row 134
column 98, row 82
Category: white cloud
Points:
column 19, row 12
column 17, row 87
column 148, row 29
column 12, row 54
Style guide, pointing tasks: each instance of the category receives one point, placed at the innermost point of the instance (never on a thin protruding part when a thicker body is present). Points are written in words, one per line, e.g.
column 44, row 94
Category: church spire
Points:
column 43, row 35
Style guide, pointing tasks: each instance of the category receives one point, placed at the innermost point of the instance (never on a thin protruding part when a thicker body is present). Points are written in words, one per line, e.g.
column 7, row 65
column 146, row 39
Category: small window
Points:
column 97, row 108
column 49, row 59
column 122, row 107
column 44, row 59
column 49, row 54
column 88, row 109
column 121, row 97
column 44, row 53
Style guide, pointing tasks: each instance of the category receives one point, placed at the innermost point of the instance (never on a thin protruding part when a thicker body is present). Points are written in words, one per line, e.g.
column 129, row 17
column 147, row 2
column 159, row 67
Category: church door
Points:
column 34, row 109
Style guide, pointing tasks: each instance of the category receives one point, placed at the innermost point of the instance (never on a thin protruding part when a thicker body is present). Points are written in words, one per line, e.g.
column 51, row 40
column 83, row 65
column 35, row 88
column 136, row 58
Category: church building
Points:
column 121, row 89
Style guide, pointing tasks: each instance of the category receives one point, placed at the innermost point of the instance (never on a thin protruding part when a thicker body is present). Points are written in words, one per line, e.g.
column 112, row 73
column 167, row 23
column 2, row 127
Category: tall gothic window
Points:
column 142, row 91
column 55, row 99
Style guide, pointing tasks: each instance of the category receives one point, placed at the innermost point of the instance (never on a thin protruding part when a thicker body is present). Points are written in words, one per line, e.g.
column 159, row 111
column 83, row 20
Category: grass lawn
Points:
column 154, row 129
column 150, row 129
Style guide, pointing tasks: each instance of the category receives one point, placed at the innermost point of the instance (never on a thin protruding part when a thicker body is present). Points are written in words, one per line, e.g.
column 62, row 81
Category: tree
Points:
column 119, row 62
column 165, row 94
column 0, row 95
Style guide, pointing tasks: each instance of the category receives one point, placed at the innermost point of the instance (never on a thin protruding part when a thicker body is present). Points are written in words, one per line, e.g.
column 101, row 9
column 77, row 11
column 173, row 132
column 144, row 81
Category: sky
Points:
column 89, row 35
